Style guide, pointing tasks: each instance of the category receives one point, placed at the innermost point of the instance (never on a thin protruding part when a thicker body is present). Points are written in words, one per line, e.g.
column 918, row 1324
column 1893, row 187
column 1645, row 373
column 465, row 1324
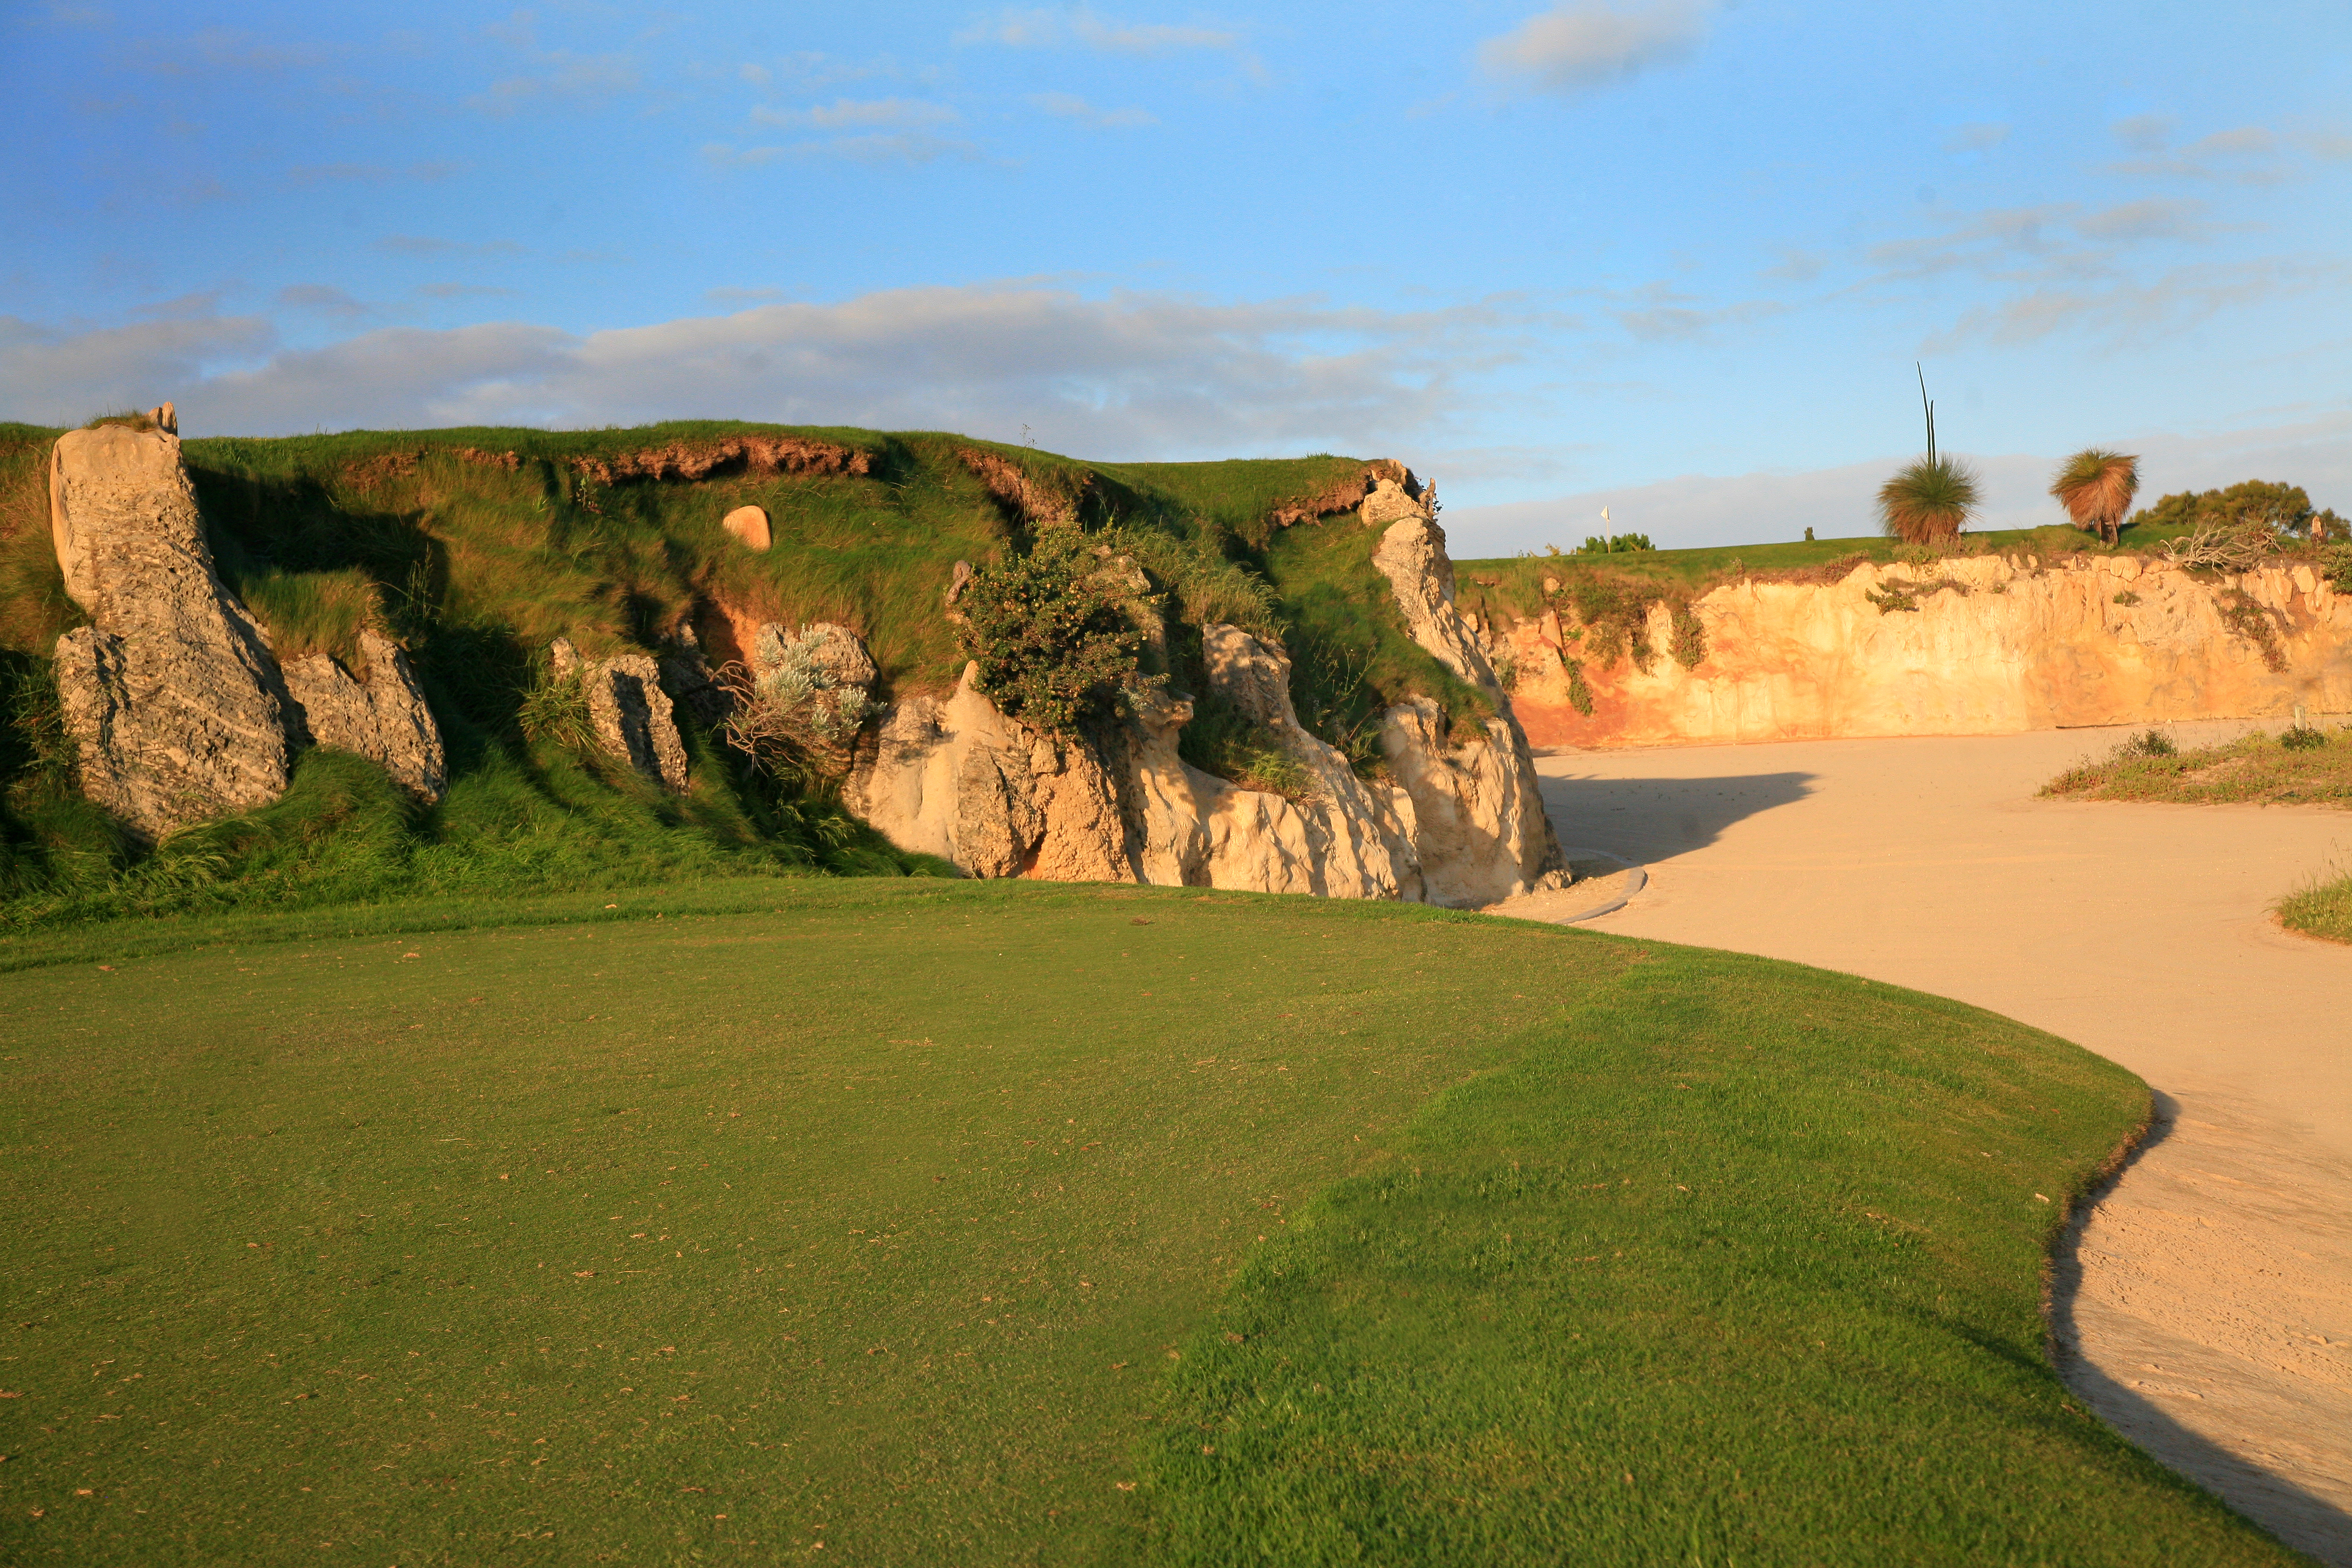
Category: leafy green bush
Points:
column 2148, row 744
column 2302, row 738
column 1051, row 634
column 1614, row 544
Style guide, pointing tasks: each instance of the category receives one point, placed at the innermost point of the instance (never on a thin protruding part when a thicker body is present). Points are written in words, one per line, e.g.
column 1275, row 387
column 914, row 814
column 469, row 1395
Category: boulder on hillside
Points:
column 170, row 693
column 749, row 525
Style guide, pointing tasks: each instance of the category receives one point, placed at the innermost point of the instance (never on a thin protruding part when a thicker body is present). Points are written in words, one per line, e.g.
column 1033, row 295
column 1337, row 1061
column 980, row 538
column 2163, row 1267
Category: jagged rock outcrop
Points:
column 1478, row 811
column 1969, row 646
column 177, row 707
column 170, row 693
column 628, row 710
column 382, row 717
column 1462, row 825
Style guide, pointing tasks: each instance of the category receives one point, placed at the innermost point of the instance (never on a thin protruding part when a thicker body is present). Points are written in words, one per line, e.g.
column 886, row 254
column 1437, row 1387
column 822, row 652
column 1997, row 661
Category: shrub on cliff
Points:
column 1051, row 634
column 2095, row 487
column 1927, row 501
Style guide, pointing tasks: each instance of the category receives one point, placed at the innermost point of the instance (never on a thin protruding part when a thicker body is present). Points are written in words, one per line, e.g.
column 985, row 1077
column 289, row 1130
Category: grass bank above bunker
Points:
column 924, row 1219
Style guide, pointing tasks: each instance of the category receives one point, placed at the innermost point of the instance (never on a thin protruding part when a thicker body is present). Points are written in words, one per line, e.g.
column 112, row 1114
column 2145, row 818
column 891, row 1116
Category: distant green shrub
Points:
column 2148, row 744
column 1614, row 544
column 2302, row 738
column 2282, row 508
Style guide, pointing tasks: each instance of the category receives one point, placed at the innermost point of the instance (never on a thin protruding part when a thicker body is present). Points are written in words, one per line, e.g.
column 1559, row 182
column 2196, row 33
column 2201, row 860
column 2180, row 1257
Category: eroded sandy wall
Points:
column 1995, row 646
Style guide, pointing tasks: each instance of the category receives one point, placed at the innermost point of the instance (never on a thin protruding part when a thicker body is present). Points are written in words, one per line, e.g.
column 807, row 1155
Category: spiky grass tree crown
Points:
column 1928, row 501
column 2095, row 487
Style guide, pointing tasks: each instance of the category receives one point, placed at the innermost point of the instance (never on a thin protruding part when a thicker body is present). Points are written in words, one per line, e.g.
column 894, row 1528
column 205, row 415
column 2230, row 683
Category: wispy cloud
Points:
column 894, row 147
column 226, row 51
column 1063, row 106
column 559, row 76
column 869, row 114
column 465, row 291
column 2244, row 154
column 427, row 245
column 1020, row 28
column 1575, row 47
column 323, row 298
column 1976, row 138
column 2128, row 313
column 372, row 173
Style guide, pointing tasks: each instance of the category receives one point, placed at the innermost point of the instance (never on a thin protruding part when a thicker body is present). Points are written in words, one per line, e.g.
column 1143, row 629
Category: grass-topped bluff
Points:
column 473, row 552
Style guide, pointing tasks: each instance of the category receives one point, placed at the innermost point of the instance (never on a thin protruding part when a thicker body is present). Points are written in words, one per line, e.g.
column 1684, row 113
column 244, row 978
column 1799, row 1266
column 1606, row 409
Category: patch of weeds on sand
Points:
column 2323, row 907
column 2301, row 766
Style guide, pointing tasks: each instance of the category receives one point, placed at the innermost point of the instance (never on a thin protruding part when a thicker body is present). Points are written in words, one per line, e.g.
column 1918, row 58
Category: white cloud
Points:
column 54, row 377
column 1576, row 46
column 1135, row 375
column 1063, row 106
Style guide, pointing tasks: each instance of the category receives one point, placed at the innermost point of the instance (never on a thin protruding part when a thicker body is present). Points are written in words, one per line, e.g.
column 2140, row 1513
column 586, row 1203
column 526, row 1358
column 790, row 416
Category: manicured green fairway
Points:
column 924, row 1220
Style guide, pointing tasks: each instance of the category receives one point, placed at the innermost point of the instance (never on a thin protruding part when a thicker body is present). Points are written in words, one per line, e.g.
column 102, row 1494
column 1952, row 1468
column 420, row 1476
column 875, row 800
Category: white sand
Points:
column 2206, row 1311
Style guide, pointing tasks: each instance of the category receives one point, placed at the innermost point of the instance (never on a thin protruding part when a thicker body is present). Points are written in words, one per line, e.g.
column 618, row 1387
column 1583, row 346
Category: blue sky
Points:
column 1679, row 258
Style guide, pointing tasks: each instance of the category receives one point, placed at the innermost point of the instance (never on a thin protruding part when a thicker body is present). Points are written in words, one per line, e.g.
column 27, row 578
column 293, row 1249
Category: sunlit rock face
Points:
column 1971, row 646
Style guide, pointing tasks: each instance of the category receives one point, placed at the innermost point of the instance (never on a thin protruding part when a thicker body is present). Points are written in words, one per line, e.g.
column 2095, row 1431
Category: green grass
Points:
column 924, row 1218
column 2323, row 908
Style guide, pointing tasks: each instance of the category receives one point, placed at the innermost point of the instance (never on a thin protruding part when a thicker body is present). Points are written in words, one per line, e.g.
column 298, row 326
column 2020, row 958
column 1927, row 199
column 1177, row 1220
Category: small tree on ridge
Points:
column 2095, row 487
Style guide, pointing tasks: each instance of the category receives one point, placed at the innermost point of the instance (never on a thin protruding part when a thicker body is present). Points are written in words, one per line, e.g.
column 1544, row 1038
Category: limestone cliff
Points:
column 1459, row 824
column 1982, row 645
column 176, row 705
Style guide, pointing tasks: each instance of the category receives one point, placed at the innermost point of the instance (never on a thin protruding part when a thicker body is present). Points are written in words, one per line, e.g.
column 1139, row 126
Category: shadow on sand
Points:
column 1648, row 820
column 2302, row 1521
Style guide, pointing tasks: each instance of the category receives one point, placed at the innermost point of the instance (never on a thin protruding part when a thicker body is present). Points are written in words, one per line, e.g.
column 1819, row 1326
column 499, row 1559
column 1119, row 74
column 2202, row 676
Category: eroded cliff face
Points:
column 1992, row 646
column 1462, row 824
column 177, row 708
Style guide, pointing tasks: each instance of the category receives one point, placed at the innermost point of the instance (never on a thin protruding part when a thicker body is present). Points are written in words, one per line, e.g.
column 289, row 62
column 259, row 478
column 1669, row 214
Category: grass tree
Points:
column 2095, row 487
column 1928, row 501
